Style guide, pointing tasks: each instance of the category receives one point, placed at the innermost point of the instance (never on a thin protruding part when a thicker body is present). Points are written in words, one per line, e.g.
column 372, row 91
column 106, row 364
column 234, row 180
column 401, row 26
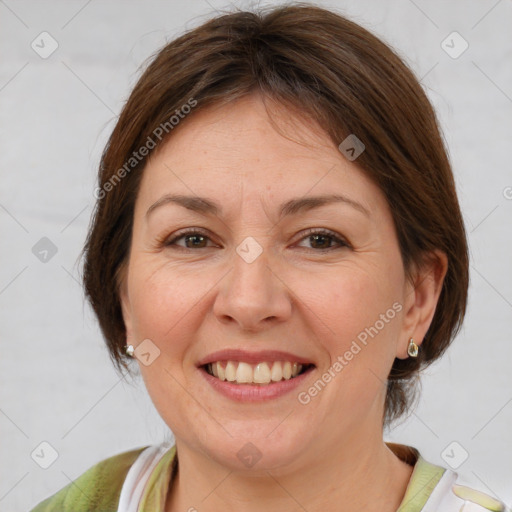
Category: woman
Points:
column 278, row 244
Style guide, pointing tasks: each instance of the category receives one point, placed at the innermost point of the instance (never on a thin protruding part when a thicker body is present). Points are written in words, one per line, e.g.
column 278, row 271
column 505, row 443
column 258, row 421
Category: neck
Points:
column 362, row 473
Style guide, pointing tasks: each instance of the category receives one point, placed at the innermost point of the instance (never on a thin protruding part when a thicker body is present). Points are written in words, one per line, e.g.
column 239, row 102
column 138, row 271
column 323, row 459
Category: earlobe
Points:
column 421, row 301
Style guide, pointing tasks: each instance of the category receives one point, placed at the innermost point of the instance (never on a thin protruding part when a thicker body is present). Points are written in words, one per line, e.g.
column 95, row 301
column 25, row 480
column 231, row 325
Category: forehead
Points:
column 238, row 148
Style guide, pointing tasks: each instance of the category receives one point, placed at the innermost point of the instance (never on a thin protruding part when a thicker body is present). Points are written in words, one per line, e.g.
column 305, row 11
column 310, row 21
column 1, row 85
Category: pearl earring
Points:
column 412, row 349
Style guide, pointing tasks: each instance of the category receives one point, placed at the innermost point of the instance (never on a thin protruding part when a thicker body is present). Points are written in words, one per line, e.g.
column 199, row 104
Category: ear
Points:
column 421, row 295
column 125, row 305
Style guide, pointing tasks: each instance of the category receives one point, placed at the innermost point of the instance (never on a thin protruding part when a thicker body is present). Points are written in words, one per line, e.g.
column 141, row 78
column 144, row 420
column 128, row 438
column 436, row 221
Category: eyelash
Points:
column 308, row 233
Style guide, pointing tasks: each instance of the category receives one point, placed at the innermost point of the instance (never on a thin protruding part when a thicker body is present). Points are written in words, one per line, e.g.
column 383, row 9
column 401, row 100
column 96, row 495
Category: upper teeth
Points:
column 261, row 373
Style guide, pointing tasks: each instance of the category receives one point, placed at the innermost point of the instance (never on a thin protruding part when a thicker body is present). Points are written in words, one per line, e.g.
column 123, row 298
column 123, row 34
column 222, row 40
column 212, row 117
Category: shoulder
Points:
column 96, row 489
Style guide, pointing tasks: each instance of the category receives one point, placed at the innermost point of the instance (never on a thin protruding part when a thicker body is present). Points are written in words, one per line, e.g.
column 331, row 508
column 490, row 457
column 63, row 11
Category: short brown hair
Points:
column 332, row 70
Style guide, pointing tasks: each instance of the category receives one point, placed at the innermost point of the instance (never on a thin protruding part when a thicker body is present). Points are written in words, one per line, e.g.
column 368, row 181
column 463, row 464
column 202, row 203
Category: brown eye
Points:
column 193, row 239
column 320, row 241
column 323, row 240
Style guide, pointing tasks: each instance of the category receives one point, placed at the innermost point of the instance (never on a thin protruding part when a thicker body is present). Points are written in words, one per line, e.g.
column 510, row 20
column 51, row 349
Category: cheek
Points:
column 356, row 315
column 349, row 301
column 162, row 301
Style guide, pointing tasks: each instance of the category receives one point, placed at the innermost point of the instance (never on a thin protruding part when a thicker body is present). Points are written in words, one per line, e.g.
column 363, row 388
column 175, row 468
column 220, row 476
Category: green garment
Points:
column 99, row 488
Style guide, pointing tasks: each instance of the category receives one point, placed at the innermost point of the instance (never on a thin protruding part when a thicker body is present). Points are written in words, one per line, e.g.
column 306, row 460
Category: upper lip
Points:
column 252, row 357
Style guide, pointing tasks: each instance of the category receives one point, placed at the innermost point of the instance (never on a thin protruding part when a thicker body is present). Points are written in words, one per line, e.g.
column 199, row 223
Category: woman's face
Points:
column 265, row 276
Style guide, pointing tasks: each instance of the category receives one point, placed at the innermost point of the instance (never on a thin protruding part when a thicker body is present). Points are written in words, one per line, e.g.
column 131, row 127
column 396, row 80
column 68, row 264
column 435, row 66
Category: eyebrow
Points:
column 206, row 206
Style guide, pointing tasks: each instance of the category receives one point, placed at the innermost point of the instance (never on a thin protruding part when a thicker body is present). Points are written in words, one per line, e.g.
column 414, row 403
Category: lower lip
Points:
column 255, row 392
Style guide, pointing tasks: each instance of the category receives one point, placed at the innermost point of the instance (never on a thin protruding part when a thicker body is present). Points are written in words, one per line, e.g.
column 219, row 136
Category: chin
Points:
column 255, row 447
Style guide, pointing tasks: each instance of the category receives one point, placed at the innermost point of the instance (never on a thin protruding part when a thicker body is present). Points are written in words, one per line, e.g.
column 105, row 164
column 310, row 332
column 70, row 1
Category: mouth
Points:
column 262, row 373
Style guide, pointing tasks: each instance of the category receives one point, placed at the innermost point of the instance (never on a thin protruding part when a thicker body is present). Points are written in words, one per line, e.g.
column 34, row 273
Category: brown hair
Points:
column 339, row 74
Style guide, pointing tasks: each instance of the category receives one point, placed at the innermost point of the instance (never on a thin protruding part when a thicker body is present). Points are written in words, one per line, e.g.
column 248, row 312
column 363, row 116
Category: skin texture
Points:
column 296, row 297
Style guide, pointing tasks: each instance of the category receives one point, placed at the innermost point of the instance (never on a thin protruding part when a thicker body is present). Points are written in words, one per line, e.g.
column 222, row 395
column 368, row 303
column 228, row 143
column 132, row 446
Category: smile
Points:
column 264, row 373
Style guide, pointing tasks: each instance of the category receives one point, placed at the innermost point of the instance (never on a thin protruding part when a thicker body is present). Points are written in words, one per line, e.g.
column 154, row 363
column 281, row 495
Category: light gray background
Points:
column 57, row 383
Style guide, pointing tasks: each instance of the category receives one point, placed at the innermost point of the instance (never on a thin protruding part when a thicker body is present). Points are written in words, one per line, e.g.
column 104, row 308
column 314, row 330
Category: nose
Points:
column 253, row 294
